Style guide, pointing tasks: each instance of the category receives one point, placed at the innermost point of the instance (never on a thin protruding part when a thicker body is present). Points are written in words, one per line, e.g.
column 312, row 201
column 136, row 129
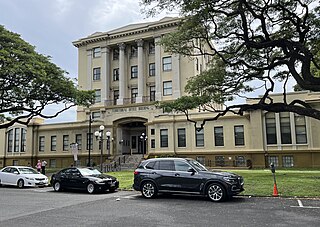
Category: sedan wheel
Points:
column 216, row 192
column 149, row 190
column 90, row 188
column 20, row 183
column 57, row 186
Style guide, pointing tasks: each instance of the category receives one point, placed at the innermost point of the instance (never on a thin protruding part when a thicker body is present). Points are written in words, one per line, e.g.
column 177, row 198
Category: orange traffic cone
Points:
column 275, row 190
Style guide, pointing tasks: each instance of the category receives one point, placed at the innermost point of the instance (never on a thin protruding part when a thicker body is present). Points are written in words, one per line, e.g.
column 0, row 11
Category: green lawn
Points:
column 300, row 183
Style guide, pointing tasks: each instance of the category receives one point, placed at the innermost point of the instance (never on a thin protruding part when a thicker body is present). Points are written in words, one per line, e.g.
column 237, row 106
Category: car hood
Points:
column 219, row 174
column 102, row 176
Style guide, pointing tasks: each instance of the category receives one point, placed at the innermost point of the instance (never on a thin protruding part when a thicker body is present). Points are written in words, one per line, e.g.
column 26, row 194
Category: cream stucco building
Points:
column 129, row 71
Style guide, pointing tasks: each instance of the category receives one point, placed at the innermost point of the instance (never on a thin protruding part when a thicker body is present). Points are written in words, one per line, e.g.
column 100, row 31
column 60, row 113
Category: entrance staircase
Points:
column 123, row 162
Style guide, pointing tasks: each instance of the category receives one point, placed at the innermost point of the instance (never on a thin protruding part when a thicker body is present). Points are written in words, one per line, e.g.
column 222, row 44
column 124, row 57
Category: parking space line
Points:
column 307, row 207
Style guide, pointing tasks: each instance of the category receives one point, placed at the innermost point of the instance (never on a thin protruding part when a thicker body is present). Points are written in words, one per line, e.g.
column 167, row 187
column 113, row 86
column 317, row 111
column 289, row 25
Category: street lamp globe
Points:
column 101, row 127
column 96, row 133
column 108, row 133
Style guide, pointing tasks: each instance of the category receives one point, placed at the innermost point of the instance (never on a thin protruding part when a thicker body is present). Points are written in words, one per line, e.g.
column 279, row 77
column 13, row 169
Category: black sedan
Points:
column 78, row 178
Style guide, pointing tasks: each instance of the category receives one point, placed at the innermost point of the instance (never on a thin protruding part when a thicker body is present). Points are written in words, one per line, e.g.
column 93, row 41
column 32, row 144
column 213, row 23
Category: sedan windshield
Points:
column 27, row 171
column 89, row 172
column 197, row 165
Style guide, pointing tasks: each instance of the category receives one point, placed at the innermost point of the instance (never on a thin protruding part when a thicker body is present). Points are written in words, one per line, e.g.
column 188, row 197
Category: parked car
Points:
column 22, row 176
column 184, row 175
column 83, row 178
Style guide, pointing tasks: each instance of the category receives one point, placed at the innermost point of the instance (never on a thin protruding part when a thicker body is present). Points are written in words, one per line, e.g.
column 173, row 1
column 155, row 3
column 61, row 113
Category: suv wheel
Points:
column 149, row 190
column 216, row 192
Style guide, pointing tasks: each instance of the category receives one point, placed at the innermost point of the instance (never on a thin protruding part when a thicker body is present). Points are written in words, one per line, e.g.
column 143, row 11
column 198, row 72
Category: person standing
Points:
column 38, row 166
column 43, row 167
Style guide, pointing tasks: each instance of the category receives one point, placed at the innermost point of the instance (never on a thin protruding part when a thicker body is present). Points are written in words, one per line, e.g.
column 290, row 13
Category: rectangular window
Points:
column 96, row 73
column 274, row 160
column 200, row 138
column 134, row 71
column 163, row 137
column 23, row 140
column 167, row 88
column 115, row 54
column 65, row 142
column 53, row 143
column 134, row 94
column 134, row 51
column 287, row 161
column 153, row 143
column 41, row 143
column 239, row 135
column 152, row 131
column 271, row 128
column 152, row 93
column 285, row 128
column 16, row 139
column 152, row 69
column 96, row 115
column 96, row 52
column 152, row 48
column 79, row 141
column 181, row 137
column 97, row 96
column 218, row 136
column 10, row 140
column 89, row 141
column 219, row 160
column 52, row 163
column 301, row 131
column 116, row 74
column 115, row 96
column 166, row 64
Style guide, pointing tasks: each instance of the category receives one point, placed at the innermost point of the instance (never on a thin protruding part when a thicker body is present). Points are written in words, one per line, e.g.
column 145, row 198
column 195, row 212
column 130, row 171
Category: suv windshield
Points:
column 197, row 165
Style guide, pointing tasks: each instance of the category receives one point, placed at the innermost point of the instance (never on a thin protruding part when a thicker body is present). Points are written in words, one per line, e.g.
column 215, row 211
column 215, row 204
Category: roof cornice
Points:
column 129, row 32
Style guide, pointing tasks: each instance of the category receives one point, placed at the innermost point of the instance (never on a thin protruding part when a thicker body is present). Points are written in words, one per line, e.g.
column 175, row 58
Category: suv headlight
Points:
column 230, row 180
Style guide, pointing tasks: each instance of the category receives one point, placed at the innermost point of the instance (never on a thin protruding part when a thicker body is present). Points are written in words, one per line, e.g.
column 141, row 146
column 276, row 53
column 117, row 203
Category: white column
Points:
column 141, row 79
column 89, row 69
column 105, row 73
column 176, row 76
column 158, row 69
column 122, row 74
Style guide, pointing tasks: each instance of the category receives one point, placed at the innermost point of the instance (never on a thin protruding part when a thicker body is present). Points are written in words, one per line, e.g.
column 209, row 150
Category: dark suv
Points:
column 184, row 175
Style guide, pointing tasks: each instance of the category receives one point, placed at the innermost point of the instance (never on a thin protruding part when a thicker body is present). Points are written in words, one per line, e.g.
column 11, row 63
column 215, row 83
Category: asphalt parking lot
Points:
column 44, row 207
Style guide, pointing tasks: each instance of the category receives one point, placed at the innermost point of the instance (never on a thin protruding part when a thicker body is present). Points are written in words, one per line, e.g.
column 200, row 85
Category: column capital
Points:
column 139, row 42
column 122, row 46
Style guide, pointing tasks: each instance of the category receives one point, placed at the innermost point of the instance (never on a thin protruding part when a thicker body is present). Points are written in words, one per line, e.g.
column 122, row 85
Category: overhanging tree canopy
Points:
column 29, row 82
column 256, row 40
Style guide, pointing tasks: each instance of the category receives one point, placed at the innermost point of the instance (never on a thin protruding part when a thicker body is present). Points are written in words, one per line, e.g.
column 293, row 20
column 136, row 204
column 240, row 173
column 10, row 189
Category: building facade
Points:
column 129, row 72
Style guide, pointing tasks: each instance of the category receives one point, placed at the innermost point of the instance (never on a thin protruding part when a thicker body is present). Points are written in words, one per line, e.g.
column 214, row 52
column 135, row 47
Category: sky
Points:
column 52, row 25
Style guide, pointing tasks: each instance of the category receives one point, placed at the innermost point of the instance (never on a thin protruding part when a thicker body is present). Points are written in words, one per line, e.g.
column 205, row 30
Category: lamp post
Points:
column 99, row 137
column 108, row 134
column 143, row 138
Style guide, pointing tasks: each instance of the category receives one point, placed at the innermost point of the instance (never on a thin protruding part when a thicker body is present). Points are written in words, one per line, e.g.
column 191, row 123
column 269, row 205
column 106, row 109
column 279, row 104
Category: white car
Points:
column 22, row 176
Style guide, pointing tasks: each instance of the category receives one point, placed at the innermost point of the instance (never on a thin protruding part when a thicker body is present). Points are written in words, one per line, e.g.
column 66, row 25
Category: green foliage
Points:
column 29, row 81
